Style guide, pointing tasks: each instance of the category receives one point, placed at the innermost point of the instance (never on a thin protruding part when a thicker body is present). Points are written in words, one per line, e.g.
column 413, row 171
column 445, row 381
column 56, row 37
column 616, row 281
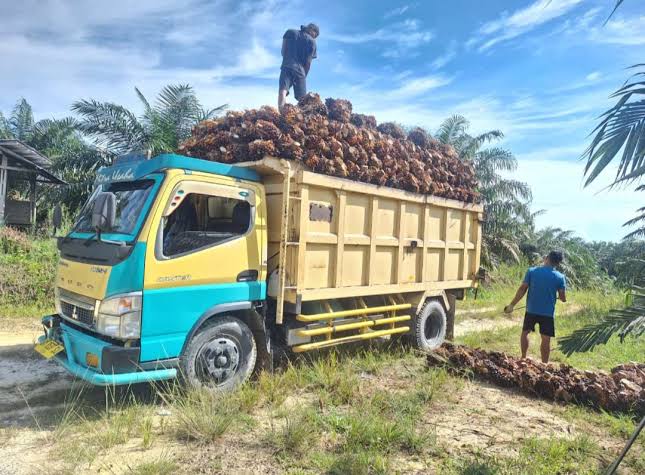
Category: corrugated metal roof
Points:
column 27, row 155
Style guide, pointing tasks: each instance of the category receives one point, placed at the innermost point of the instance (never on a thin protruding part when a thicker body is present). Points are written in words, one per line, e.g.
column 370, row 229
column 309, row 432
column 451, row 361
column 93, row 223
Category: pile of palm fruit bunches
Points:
column 328, row 138
column 623, row 389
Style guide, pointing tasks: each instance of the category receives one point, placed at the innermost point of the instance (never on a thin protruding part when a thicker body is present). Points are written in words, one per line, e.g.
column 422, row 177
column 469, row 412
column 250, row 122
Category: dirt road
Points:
column 29, row 384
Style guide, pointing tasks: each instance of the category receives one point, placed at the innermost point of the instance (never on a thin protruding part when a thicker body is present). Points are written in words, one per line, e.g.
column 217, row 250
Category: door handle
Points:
column 249, row 275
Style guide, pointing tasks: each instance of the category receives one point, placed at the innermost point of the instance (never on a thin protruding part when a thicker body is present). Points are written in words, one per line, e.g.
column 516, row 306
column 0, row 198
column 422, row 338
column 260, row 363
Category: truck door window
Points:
column 202, row 221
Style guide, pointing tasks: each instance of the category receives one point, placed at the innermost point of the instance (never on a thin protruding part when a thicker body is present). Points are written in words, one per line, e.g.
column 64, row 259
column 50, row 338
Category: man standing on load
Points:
column 298, row 50
column 542, row 283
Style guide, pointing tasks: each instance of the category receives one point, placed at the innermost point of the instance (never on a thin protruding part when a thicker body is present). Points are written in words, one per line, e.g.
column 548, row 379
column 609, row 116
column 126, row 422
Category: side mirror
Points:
column 57, row 217
column 104, row 211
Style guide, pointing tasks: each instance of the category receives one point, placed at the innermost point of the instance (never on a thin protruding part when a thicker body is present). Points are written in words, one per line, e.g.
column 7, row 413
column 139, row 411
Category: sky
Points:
column 540, row 71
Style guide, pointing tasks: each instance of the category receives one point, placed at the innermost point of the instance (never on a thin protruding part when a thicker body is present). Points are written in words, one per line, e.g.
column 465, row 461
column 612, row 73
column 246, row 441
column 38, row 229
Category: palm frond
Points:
column 205, row 114
column 452, row 128
column 21, row 120
column 5, row 128
column 624, row 322
column 621, row 128
column 111, row 125
column 618, row 3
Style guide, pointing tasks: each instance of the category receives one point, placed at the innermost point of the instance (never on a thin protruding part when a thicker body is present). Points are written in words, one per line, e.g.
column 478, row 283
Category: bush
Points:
column 13, row 241
column 27, row 269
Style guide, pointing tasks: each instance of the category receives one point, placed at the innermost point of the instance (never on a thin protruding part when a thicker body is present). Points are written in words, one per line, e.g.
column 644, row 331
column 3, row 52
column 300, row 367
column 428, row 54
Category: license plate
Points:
column 49, row 348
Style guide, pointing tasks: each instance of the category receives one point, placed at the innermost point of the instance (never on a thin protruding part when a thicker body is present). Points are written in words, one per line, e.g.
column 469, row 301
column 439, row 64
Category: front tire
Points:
column 429, row 329
column 221, row 356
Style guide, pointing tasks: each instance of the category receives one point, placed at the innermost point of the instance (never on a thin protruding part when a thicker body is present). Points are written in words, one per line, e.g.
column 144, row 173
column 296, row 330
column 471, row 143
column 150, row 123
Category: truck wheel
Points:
column 221, row 356
column 429, row 329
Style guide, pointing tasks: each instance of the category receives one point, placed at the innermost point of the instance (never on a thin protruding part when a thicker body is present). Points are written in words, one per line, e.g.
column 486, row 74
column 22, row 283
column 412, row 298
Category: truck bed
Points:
column 349, row 239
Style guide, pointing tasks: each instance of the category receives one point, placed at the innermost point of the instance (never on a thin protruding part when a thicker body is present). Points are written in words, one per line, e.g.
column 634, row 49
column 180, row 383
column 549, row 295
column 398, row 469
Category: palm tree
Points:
column 621, row 128
column 20, row 122
column 73, row 159
column 161, row 127
column 580, row 265
column 506, row 201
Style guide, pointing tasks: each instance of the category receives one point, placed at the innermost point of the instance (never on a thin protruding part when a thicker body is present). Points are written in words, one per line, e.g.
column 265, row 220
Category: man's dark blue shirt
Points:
column 300, row 49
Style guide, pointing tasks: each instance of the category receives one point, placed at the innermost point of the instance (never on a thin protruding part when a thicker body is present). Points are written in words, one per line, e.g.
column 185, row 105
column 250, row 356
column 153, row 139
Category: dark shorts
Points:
column 547, row 324
column 289, row 78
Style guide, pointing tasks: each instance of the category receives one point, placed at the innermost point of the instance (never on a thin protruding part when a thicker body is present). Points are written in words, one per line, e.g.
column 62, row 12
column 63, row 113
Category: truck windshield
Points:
column 130, row 196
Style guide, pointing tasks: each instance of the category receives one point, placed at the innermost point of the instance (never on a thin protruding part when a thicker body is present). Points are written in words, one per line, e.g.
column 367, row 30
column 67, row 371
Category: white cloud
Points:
column 620, row 31
column 402, row 37
column 521, row 21
column 446, row 57
column 593, row 76
column 419, row 85
column 396, row 11
column 557, row 187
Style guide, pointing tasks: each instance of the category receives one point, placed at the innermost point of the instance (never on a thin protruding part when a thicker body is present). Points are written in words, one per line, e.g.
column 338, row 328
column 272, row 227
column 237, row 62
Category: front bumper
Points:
column 116, row 365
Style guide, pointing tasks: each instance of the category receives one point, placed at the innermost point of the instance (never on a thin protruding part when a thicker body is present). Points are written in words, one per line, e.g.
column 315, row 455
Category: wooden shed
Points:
column 23, row 168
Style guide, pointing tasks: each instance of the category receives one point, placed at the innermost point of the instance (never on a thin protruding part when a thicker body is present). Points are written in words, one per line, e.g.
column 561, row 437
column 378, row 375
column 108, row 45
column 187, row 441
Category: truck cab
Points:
column 187, row 241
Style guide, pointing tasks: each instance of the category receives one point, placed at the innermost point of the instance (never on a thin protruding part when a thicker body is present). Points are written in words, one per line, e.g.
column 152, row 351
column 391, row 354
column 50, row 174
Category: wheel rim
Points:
column 432, row 328
column 218, row 361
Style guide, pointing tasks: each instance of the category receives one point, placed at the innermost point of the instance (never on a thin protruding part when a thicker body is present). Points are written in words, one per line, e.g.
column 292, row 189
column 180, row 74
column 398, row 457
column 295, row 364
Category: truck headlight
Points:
column 120, row 316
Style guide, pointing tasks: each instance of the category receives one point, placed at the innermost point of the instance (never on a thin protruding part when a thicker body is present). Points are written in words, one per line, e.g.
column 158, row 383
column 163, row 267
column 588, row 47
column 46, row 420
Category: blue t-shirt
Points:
column 544, row 283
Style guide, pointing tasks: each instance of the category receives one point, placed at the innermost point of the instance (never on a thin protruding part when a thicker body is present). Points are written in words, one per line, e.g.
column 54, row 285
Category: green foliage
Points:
column 21, row 121
column 506, row 201
column 161, row 128
column 622, row 261
column 203, row 416
column 580, row 265
column 622, row 128
column 162, row 466
column 27, row 269
column 584, row 307
column 627, row 321
column 536, row 457
column 295, row 434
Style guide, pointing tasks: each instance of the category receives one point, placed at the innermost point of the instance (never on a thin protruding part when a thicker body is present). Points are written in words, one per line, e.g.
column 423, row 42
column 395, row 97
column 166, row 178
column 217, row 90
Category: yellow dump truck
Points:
column 180, row 266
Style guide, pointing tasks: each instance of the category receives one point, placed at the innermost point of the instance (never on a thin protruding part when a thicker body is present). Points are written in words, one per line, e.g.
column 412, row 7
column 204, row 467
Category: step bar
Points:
column 353, row 313
column 349, row 339
column 351, row 326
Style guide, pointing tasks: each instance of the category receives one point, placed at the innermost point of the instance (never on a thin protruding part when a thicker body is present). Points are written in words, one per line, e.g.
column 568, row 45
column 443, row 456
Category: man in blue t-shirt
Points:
column 543, row 284
column 298, row 50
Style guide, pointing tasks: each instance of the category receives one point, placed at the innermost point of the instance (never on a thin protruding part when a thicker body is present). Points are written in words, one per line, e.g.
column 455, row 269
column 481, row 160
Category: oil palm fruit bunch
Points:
column 329, row 138
column 623, row 390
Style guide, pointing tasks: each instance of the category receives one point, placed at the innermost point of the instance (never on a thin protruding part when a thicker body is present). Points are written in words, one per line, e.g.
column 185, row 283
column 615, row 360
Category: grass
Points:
column 294, row 433
column 204, row 416
column 357, row 410
column 591, row 307
column 536, row 456
column 162, row 466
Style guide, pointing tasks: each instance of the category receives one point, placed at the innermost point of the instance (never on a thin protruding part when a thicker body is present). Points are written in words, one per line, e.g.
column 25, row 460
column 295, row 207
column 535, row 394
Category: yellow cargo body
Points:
column 345, row 239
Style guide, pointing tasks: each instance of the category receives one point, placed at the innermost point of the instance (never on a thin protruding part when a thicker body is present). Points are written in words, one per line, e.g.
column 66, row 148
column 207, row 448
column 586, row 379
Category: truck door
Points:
column 207, row 252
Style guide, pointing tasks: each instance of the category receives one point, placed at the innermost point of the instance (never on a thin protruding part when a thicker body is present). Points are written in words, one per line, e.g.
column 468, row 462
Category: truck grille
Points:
column 77, row 307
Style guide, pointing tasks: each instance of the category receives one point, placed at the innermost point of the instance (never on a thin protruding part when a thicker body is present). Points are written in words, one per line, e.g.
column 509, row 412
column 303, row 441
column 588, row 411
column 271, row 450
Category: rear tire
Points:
column 429, row 326
column 221, row 356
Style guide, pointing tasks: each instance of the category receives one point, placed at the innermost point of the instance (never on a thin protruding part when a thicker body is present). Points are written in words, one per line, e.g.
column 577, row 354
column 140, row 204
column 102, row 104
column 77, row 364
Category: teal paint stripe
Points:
column 77, row 344
column 136, row 170
column 169, row 314
column 127, row 276
column 101, row 379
